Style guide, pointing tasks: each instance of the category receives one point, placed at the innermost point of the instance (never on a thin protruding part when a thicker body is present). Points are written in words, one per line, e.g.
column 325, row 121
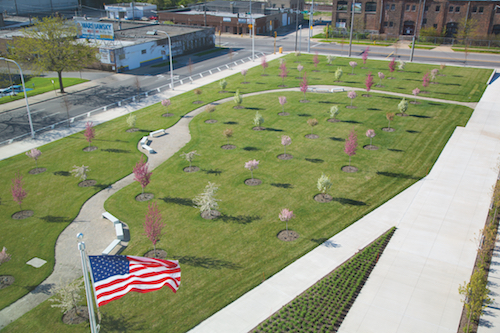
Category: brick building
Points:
column 406, row 17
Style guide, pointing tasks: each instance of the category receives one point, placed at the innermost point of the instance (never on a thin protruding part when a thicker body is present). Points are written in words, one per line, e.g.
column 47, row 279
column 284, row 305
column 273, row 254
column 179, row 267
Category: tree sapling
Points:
column 352, row 95
column 252, row 165
column 338, row 74
column 4, row 256
column 316, row 60
column 401, row 65
column 353, row 64
column 330, row 58
column 300, row 68
column 334, row 111
column 80, row 172
column 324, row 183
column 17, row 189
column 282, row 100
column 89, row 132
column 228, row 133
column 210, row 108
column 392, row 65
column 153, row 224
column 285, row 216
column 369, row 81
column 258, row 120
column 68, row 297
column 264, row 64
column 223, row 85
column 283, row 73
column 365, row 55
column 415, row 92
column 244, row 73
column 312, row 122
column 206, row 201
column 425, row 80
column 238, row 99
column 141, row 174
column 403, row 106
column 190, row 156
column 390, row 117
column 131, row 119
column 303, row 86
column 285, row 141
column 351, row 144
column 371, row 134
column 34, row 154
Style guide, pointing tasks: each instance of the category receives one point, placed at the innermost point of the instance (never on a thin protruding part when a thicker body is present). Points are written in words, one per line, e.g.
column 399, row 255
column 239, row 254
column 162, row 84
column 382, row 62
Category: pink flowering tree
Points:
column 285, row 141
column 17, row 190
column 4, row 256
column 351, row 144
column 371, row 134
column 283, row 73
column 353, row 64
column 415, row 92
column 365, row 55
column 316, row 60
column 392, row 65
column 141, row 174
column 300, row 68
column 381, row 76
column 244, row 73
column 252, row 165
column 369, row 81
column 153, row 224
column 34, row 154
column 425, row 80
column 264, row 64
column 89, row 132
column 304, row 85
column 285, row 216
column 352, row 95
column 282, row 100
column 166, row 103
column 434, row 73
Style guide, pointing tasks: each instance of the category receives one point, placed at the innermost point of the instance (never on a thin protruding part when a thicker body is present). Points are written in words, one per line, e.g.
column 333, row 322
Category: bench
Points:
column 119, row 231
column 110, row 217
column 336, row 90
column 144, row 140
column 157, row 132
column 111, row 247
column 148, row 148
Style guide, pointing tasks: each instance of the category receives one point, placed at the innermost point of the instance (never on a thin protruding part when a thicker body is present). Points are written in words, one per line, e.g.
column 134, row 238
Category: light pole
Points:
column 352, row 26
column 300, row 38
column 25, row 97
column 311, row 22
column 88, row 293
column 252, row 31
column 170, row 55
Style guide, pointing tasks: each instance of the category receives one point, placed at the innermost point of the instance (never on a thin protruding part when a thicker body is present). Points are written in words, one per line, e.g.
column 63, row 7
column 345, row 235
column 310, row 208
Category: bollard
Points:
column 281, row 49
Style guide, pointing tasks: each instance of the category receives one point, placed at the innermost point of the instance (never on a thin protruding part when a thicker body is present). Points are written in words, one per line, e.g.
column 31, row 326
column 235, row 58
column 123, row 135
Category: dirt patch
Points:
column 253, row 182
column 191, row 169
column 366, row 95
column 402, row 114
column 351, row 107
column 87, row 183
column 414, row 102
column 228, row 147
column 131, row 130
column 76, row 316
column 304, row 101
column 388, row 129
column 349, row 169
column 211, row 121
column 312, row 136
column 283, row 114
column 198, row 102
column 213, row 214
column 144, row 197
column 259, row 128
column 287, row 235
column 36, row 171
column 282, row 86
column 158, row 254
column 238, row 107
column 285, row 157
column 167, row 115
column 332, row 120
column 323, row 197
column 370, row 147
column 6, row 280
column 91, row 148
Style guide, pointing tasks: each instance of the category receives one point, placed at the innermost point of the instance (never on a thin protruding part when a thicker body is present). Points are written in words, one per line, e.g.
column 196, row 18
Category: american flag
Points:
column 114, row 276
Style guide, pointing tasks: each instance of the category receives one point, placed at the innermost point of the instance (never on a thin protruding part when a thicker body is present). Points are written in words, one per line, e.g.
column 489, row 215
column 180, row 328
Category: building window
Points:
column 385, row 23
column 407, row 8
column 474, row 9
column 387, row 6
column 371, row 7
column 435, row 26
column 121, row 56
column 143, row 52
column 342, row 6
column 457, row 9
column 424, row 21
column 391, row 24
column 426, row 8
column 393, row 7
column 481, row 9
column 496, row 29
column 450, row 9
column 497, row 11
column 438, row 8
column 413, row 8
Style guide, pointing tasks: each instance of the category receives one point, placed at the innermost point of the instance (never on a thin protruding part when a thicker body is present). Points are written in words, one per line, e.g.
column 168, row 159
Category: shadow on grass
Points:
column 207, row 263
column 250, row 148
column 231, row 123
column 216, row 172
column 282, row 185
column 111, row 150
column 55, row 219
column 346, row 201
column 389, row 97
column 396, row 175
column 350, row 121
column 337, row 139
column 327, row 102
column 273, row 129
column 254, row 108
column 419, row 116
column 62, row 173
column 303, row 115
column 239, row 219
column 314, row 160
column 374, row 109
column 396, row 150
column 412, row 132
column 102, row 186
column 121, row 323
column 325, row 241
column 44, row 288
column 178, row 201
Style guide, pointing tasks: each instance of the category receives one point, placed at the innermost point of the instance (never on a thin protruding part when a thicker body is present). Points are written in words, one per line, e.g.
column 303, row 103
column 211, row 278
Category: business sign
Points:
column 226, row 19
column 95, row 30
column 105, row 56
column 357, row 7
column 242, row 20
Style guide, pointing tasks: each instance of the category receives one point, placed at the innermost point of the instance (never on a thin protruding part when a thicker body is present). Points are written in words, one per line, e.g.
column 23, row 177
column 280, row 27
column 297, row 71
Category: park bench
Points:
column 157, row 132
column 110, row 217
column 144, row 140
column 111, row 246
column 119, row 230
column 148, row 148
column 336, row 90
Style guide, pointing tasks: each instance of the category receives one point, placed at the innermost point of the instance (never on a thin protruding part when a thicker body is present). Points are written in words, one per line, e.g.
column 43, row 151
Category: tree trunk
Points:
column 61, row 87
column 154, row 246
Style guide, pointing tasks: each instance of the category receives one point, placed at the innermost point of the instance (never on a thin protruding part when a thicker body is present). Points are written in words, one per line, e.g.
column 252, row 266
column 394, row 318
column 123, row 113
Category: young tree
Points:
column 283, row 73
column 330, row 58
column 285, row 141
column 244, row 73
column 34, row 154
column 415, row 92
column 324, row 183
column 166, row 103
column 258, row 120
column 206, row 201
column 300, row 68
column 304, row 85
column 285, row 216
column 371, row 134
column 197, row 91
column 4, row 256
column 352, row 95
column 425, row 80
column 141, row 174
column 228, row 133
column 68, row 297
column 264, row 64
column 365, row 55
column 334, row 111
column 80, row 172
column 131, row 119
column 190, row 156
column 316, row 60
column 237, row 98
column 252, row 165
column 369, row 81
column 50, row 46
column 442, row 67
column 392, row 65
column 223, row 84
column 434, row 73
column 381, row 76
column 338, row 74
column 312, row 123
column 351, row 144
column 390, row 117
column 17, row 190
column 89, row 132
column 353, row 64
column 282, row 100
column 401, row 65
column 403, row 106
column 476, row 296
column 210, row 108
column 153, row 224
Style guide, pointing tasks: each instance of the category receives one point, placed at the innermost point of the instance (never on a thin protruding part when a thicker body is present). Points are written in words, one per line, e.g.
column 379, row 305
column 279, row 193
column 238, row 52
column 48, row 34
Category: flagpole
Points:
column 95, row 296
column 81, row 247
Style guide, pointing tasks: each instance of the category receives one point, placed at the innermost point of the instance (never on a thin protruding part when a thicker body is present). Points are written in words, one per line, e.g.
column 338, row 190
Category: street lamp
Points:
column 25, row 97
column 311, row 22
column 170, row 54
column 253, row 32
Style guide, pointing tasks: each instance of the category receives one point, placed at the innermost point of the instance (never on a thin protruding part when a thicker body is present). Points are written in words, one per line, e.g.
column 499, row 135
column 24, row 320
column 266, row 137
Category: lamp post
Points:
column 311, row 22
column 352, row 26
column 252, row 31
column 88, row 293
column 25, row 97
column 170, row 55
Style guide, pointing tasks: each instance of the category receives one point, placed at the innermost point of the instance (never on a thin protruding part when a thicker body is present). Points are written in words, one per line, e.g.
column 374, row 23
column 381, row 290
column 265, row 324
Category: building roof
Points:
column 221, row 14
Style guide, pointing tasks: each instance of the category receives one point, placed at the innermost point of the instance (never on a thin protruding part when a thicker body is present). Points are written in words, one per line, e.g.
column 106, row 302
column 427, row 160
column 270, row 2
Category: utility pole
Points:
column 311, row 21
column 296, row 26
column 253, row 32
column 205, row 10
column 352, row 26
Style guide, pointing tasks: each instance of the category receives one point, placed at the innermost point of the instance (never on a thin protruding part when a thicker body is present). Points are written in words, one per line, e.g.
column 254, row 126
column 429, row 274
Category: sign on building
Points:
column 95, row 30
column 226, row 19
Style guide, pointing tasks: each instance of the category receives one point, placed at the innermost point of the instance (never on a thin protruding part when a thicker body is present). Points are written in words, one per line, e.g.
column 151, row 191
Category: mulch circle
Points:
column 6, row 280
column 36, row 171
column 304, row 101
column 213, row 214
column 167, row 115
column 351, row 107
column 285, row 156
column 228, row 147
column 402, row 114
column 332, row 120
column 323, row 197
column 312, row 136
column 244, row 82
column 366, row 95
column 433, row 82
column 223, row 91
column 380, row 86
column 351, row 74
column 283, row 114
column 131, row 130
column 211, row 121
column 259, row 128
column 282, row 86
column 160, row 254
column 315, row 71
column 263, row 75
column 238, row 107
column 441, row 75
column 253, row 182
column 349, row 169
column 144, row 197
column 91, row 148
column 425, row 92
column 370, row 147
column 287, row 235
column 388, row 129
column 76, row 316
column 23, row 214
column 87, row 183
column 391, row 78
column 414, row 102
column 198, row 102
column 191, row 169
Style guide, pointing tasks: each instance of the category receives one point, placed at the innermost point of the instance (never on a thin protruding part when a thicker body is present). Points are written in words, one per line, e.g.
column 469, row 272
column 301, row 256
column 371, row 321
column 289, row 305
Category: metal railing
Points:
column 135, row 98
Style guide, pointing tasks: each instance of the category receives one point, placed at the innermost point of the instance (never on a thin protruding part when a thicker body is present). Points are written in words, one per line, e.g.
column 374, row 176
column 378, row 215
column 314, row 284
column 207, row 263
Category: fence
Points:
column 135, row 98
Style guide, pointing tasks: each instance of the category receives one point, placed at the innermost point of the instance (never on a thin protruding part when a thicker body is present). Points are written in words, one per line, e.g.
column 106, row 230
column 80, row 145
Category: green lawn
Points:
column 232, row 246
column 41, row 85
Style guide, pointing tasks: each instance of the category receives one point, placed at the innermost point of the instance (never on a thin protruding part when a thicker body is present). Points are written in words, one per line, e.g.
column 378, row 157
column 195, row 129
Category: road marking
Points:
column 316, row 45
column 33, row 112
column 50, row 115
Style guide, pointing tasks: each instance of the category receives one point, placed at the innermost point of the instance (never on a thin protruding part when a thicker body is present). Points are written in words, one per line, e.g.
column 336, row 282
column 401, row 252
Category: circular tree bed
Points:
column 287, row 235
column 131, row 130
column 246, row 82
column 370, row 147
column 191, row 169
column 351, row 107
column 91, row 148
column 228, row 147
column 366, row 95
column 388, row 129
column 238, row 107
column 167, row 115
column 253, row 182
column 6, row 280
column 23, row 214
column 349, row 168
column 312, row 136
column 198, row 102
column 76, row 316
column 144, row 197
column 87, row 183
column 210, row 215
column 259, row 128
column 402, row 114
column 323, row 197
column 415, row 102
column 158, row 254
column 223, row 91
column 333, row 120
column 211, row 121
column 282, row 86
column 36, row 171
column 304, row 101
column 285, row 157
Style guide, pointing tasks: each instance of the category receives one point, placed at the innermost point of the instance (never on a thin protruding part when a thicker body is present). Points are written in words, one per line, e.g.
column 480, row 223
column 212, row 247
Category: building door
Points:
column 408, row 28
column 451, row 29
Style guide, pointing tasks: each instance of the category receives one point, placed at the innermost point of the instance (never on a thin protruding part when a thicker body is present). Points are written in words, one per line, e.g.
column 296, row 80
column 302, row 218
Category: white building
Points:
column 130, row 11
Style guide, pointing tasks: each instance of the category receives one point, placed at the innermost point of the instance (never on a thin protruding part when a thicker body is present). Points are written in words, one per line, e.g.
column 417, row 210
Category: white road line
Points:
column 316, row 45
column 50, row 115
column 33, row 112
